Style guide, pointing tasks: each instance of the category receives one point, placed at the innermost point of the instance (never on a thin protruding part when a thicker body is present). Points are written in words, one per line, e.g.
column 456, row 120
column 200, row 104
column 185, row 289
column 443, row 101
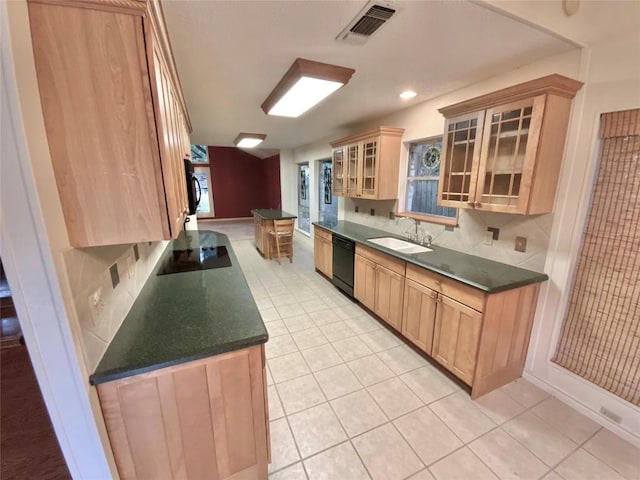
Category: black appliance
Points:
column 343, row 259
column 194, row 191
column 202, row 258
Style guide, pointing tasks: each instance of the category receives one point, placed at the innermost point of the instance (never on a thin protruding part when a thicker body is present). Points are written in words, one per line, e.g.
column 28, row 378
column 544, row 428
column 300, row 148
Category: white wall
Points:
column 612, row 84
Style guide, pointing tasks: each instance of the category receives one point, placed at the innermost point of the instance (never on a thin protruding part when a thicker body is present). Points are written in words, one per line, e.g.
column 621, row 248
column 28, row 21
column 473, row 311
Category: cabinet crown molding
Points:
column 387, row 131
column 554, row 84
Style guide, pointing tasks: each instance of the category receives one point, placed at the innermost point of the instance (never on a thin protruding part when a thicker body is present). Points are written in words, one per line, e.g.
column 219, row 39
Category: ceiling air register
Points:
column 373, row 16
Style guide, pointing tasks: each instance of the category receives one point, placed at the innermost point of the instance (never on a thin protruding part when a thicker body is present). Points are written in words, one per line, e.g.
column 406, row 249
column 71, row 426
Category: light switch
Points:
column 521, row 244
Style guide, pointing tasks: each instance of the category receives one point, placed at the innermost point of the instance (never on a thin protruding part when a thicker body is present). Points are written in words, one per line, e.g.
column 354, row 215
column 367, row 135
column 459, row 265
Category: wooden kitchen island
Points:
column 182, row 385
column 263, row 224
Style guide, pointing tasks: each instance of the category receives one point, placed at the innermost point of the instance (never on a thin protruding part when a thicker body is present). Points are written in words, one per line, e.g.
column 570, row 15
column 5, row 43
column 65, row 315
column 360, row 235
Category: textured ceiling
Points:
column 230, row 55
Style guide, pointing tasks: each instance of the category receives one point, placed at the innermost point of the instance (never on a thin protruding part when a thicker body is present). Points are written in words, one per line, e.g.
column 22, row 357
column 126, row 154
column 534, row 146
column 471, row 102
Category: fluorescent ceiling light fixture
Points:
column 249, row 140
column 407, row 94
column 304, row 85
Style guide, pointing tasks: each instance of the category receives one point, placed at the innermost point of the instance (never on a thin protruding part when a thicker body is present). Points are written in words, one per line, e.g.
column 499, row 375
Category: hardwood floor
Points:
column 28, row 445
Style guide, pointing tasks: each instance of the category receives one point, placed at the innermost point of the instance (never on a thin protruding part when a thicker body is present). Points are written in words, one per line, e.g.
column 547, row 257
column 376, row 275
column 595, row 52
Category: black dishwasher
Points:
column 343, row 256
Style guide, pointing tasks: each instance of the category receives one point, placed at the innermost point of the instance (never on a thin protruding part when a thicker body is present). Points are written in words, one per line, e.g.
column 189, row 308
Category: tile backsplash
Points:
column 469, row 235
column 90, row 270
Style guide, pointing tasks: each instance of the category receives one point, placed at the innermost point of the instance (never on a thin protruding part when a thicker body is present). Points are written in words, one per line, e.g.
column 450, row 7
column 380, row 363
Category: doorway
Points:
column 304, row 219
column 28, row 442
column 327, row 202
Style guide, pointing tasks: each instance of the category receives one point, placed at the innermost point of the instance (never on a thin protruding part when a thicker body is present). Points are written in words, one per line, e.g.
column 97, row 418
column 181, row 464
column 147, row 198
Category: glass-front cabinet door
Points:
column 339, row 172
column 508, row 155
column 461, row 159
column 369, row 167
column 353, row 168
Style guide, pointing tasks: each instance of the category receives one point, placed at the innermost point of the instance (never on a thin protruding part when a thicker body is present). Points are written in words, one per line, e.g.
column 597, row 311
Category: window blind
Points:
column 600, row 337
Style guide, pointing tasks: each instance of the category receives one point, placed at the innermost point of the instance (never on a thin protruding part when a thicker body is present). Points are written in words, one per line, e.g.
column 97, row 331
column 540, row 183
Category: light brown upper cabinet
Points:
column 115, row 118
column 502, row 151
column 367, row 165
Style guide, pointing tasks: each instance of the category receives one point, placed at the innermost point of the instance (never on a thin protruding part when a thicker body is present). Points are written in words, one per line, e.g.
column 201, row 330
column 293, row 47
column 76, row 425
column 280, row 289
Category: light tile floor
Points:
column 348, row 400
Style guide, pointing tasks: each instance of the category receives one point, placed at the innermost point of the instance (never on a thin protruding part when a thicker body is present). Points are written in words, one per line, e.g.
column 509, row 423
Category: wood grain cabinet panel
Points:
column 111, row 101
column 455, row 337
column 388, row 296
column 419, row 314
column 202, row 419
column 379, row 284
column 367, row 165
column 364, row 287
column 323, row 251
column 502, row 151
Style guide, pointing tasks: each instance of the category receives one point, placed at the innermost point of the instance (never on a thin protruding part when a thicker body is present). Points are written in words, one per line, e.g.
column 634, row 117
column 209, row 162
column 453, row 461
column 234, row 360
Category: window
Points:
column 421, row 193
column 202, row 171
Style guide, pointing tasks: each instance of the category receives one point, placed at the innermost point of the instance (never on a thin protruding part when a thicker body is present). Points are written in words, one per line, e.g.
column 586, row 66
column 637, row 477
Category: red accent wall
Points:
column 242, row 182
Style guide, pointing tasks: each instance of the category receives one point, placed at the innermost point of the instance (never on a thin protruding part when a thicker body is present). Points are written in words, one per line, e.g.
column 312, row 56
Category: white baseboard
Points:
column 588, row 403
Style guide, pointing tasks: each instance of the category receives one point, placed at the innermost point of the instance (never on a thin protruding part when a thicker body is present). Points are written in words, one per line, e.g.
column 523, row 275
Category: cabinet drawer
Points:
column 463, row 294
column 393, row 264
column 322, row 233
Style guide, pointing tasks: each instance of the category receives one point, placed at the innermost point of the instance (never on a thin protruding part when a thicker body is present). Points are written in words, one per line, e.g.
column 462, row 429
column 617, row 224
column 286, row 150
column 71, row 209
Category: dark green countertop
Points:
column 481, row 273
column 184, row 316
column 272, row 214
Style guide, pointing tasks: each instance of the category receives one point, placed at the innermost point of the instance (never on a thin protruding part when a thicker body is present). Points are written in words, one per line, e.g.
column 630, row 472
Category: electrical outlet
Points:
column 392, row 216
column 495, row 232
column 136, row 252
column 357, row 208
column 610, row 415
column 488, row 238
column 521, row 244
column 115, row 275
column 372, row 212
column 96, row 305
column 448, row 228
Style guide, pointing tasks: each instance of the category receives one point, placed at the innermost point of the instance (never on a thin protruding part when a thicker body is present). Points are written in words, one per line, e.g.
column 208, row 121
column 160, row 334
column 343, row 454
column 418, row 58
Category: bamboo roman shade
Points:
column 600, row 338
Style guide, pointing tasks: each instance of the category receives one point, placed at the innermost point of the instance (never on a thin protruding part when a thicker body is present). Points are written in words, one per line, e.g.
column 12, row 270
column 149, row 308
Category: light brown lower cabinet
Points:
column 202, row 419
column 262, row 228
column 419, row 315
column 456, row 333
column 323, row 251
column 480, row 338
column 389, row 293
column 379, row 284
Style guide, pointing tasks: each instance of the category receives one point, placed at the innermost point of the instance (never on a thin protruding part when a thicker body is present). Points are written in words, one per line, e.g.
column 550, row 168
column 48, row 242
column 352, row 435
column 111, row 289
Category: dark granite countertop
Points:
column 184, row 316
column 481, row 273
column 272, row 214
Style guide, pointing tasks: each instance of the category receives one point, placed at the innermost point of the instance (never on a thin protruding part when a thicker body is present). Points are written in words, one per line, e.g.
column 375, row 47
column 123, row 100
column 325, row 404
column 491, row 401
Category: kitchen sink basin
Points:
column 399, row 246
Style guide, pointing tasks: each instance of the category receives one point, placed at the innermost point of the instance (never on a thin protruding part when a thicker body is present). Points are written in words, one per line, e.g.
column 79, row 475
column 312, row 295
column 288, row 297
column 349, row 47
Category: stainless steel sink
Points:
column 399, row 246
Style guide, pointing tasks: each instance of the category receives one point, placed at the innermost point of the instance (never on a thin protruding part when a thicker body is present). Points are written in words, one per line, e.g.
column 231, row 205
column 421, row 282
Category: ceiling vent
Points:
column 368, row 21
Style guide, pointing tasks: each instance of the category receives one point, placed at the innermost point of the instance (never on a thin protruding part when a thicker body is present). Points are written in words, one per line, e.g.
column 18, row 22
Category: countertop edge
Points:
column 542, row 277
column 118, row 374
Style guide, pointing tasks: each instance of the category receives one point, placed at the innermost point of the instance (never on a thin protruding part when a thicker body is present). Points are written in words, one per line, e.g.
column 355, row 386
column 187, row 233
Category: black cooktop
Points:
column 203, row 258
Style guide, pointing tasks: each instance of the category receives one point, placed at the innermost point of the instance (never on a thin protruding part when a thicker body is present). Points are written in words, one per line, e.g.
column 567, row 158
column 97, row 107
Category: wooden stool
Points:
column 282, row 235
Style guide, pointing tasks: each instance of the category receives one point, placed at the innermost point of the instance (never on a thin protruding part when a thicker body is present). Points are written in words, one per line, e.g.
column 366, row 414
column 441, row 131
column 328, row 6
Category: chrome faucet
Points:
column 428, row 238
column 413, row 236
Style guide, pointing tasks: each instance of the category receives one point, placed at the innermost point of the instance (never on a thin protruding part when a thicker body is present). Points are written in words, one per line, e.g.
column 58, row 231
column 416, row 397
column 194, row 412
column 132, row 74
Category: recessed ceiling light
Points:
column 407, row 94
column 304, row 85
column 249, row 140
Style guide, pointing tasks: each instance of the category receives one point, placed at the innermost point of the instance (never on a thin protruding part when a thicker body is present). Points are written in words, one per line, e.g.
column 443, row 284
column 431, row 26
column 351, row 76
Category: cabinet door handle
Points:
column 471, row 204
column 439, row 300
column 433, row 295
